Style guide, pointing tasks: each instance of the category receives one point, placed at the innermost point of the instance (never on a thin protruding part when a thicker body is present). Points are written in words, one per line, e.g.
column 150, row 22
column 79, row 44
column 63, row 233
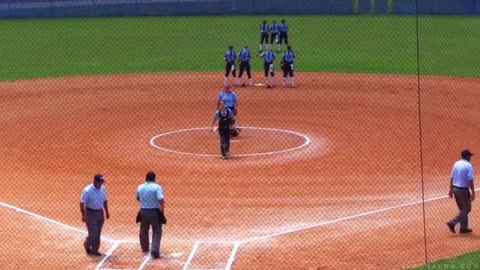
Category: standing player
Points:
column 244, row 59
column 224, row 117
column 274, row 34
column 264, row 29
column 268, row 58
column 283, row 29
column 228, row 96
column 229, row 57
column 287, row 65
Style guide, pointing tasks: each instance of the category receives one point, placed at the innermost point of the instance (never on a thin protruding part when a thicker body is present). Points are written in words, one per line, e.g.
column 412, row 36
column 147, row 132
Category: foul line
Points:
column 344, row 219
column 50, row 220
column 306, row 142
column 238, row 243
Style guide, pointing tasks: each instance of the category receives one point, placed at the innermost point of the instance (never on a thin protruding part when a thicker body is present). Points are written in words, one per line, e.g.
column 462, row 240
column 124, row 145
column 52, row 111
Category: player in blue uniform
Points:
column 268, row 58
column 264, row 29
column 287, row 65
column 274, row 31
column 229, row 57
column 283, row 29
column 244, row 59
column 229, row 98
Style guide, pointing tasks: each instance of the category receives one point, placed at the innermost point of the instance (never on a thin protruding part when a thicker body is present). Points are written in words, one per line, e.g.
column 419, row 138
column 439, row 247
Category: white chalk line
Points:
column 236, row 243
column 144, row 263
column 116, row 243
column 306, row 142
column 107, row 256
column 229, row 263
column 329, row 222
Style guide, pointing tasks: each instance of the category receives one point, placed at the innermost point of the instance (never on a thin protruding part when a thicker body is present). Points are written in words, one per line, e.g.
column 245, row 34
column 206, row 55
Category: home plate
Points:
column 174, row 255
column 259, row 84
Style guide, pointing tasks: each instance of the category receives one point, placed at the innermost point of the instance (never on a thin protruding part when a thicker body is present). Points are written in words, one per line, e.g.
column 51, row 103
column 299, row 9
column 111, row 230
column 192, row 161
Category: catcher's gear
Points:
column 234, row 132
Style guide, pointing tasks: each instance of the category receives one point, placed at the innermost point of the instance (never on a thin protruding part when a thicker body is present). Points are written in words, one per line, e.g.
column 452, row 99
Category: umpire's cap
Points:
column 150, row 176
column 466, row 153
column 98, row 178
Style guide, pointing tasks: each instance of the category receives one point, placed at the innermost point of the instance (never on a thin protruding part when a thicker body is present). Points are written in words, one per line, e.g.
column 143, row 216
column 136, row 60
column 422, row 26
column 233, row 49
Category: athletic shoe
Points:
column 466, row 231
column 223, row 157
column 155, row 255
column 451, row 227
column 243, row 85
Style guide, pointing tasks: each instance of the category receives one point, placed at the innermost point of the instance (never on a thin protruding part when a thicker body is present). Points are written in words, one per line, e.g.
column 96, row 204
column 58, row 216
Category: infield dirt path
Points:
column 350, row 198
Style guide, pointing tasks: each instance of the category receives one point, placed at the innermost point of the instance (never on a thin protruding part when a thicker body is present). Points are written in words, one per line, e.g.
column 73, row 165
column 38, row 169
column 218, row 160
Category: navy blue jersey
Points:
column 224, row 118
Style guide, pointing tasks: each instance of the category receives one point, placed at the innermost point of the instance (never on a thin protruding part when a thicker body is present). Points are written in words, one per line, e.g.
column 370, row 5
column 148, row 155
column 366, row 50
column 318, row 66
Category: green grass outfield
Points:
column 31, row 48
column 467, row 261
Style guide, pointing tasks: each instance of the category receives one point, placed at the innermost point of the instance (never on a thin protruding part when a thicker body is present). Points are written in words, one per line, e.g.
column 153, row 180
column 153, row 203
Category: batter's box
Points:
column 123, row 256
column 211, row 255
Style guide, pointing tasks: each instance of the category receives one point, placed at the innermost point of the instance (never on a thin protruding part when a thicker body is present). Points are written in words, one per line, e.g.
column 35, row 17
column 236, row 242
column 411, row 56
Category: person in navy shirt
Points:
column 230, row 56
column 287, row 65
column 224, row 117
column 274, row 30
column 264, row 30
column 244, row 60
column 268, row 58
column 283, row 29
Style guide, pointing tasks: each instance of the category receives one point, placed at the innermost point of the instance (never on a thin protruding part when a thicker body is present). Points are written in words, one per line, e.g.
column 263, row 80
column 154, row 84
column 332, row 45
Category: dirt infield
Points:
column 327, row 175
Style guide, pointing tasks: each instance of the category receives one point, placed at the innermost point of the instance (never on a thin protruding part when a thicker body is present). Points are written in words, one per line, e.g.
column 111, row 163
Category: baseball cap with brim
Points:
column 466, row 153
column 99, row 178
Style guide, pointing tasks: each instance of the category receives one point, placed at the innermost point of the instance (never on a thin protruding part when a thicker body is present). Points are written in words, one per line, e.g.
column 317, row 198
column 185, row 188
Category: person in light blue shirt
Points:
column 229, row 97
column 287, row 65
column 230, row 56
column 244, row 59
column 264, row 30
column 274, row 30
column 152, row 208
column 461, row 180
column 92, row 203
column 268, row 67
column 283, row 29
